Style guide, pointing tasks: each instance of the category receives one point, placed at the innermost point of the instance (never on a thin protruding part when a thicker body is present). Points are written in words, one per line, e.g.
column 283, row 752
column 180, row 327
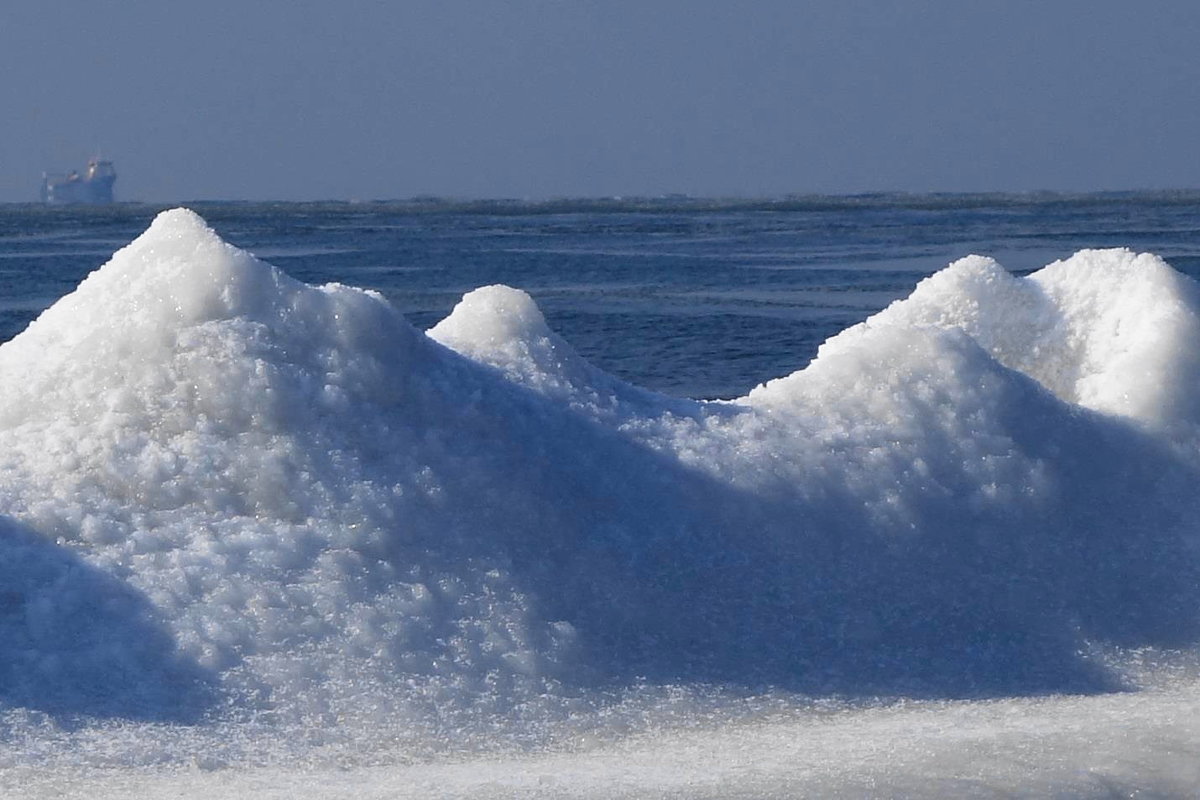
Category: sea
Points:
column 880, row 495
column 695, row 298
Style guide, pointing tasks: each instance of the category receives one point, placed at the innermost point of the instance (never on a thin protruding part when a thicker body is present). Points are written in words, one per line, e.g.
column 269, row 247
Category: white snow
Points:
column 255, row 533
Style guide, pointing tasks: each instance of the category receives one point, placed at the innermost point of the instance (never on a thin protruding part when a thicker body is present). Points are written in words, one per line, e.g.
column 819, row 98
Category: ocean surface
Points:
column 871, row 496
column 694, row 298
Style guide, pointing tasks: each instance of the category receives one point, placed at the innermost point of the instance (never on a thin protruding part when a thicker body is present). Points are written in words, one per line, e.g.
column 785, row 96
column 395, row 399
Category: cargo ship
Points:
column 94, row 186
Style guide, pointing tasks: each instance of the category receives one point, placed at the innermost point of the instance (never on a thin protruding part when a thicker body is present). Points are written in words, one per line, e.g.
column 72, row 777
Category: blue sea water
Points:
column 694, row 298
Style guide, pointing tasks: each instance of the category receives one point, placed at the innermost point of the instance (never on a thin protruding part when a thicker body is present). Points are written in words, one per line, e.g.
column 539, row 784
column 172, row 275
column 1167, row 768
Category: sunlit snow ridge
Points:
column 237, row 507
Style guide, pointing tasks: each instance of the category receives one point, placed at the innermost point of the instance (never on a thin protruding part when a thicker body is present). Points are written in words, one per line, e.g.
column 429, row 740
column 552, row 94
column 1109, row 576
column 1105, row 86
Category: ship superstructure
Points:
column 93, row 187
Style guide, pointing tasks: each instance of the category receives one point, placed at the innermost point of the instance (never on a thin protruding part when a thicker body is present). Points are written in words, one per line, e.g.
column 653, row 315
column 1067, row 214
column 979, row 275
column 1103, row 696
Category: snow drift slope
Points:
column 313, row 512
column 1105, row 329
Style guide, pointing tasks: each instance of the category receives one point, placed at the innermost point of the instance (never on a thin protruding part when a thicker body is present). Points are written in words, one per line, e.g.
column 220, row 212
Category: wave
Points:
column 253, row 499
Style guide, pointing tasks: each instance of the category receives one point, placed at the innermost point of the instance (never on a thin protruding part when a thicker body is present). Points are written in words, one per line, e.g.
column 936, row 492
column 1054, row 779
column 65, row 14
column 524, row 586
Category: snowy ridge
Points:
column 503, row 328
column 1108, row 330
column 281, row 507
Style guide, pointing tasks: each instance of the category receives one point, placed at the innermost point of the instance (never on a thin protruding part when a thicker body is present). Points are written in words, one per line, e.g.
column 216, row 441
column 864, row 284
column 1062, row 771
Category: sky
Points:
column 376, row 99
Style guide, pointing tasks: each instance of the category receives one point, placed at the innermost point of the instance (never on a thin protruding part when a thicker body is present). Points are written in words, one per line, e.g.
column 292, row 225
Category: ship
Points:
column 93, row 187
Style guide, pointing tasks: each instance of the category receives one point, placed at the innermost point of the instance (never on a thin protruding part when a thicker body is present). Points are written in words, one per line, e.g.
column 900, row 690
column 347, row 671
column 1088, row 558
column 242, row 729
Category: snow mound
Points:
column 1108, row 330
column 293, row 509
column 503, row 327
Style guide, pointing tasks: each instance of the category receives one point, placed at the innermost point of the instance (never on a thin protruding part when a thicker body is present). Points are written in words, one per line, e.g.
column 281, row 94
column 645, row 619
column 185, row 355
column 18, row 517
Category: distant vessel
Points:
column 94, row 186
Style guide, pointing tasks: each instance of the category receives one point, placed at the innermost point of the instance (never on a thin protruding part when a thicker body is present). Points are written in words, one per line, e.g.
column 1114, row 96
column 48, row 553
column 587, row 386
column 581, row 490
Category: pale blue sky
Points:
column 362, row 99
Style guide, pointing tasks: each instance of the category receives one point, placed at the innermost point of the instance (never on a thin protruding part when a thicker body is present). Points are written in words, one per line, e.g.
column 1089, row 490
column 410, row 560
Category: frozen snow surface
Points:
column 263, row 537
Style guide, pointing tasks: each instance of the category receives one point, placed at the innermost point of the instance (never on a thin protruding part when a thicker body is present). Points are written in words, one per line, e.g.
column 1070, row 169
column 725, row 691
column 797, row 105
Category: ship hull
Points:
column 95, row 187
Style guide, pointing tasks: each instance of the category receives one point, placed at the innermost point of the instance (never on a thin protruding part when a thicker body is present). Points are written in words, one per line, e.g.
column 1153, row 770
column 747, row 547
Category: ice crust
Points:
column 230, row 498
